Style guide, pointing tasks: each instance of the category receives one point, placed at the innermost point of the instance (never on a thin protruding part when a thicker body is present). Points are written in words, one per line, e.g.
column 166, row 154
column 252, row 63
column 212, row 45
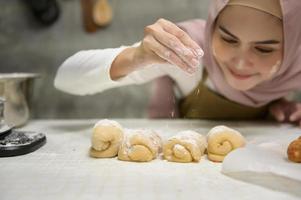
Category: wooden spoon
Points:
column 102, row 13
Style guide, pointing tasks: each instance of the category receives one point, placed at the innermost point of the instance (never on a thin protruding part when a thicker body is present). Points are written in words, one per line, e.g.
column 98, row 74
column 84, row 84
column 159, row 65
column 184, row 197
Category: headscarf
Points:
column 286, row 79
column 272, row 7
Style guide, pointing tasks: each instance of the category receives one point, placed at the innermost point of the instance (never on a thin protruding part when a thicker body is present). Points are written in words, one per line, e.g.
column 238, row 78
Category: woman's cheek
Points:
column 275, row 68
column 221, row 51
column 271, row 71
column 270, row 66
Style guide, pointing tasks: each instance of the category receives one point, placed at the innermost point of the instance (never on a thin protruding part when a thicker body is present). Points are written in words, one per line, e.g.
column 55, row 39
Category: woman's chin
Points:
column 240, row 85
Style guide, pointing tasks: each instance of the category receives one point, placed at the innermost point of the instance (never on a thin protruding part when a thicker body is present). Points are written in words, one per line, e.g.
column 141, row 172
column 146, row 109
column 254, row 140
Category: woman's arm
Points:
column 89, row 72
column 123, row 64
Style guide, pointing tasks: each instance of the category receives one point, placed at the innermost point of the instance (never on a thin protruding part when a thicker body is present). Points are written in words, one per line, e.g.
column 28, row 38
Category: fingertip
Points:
column 190, row 70
column 280, row 117
column 200, row 52
column 292, row 118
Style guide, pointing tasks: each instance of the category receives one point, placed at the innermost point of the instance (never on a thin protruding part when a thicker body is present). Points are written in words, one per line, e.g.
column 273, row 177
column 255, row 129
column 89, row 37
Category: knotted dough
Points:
column 140, row 145
column 222, row 140
column 106, row 139
column 186, row 146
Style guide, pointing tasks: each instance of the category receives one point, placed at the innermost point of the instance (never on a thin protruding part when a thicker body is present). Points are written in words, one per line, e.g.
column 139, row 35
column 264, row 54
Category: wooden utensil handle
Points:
column 87, row 9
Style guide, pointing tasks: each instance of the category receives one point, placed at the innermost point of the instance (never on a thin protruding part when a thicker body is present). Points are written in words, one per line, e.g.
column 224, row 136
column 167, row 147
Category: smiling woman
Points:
column 236, row 65
column 251, row 52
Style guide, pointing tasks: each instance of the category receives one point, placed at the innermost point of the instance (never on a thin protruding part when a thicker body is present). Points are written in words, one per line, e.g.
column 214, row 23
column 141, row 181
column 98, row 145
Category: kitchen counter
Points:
column 62, row 169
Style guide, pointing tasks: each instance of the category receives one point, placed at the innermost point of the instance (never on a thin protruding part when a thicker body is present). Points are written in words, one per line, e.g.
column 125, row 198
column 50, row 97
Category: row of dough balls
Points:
column 110, row 139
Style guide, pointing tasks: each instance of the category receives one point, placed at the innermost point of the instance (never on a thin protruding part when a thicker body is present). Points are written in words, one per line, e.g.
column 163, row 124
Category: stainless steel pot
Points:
column 16, row 89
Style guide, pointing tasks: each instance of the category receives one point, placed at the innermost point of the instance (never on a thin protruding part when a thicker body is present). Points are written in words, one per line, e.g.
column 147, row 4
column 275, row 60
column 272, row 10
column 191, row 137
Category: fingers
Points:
column 286, row 110
column 173, row 45
column 277, row 112
column 166, row 54
column 181, row 35
column 296, row 115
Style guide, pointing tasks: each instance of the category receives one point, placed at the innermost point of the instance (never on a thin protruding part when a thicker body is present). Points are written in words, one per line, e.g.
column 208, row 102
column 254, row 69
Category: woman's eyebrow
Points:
column 268, row 42
column 227, row 32
column 258, row 42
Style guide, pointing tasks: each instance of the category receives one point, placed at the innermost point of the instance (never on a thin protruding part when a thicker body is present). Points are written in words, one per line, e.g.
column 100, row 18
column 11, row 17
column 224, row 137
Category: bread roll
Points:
column 186, row 146
column 140, row 145
column 106, row 139
column 221, row 141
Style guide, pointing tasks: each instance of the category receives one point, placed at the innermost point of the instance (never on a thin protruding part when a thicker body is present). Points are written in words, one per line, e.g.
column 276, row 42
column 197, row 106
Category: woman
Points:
column 250, row 61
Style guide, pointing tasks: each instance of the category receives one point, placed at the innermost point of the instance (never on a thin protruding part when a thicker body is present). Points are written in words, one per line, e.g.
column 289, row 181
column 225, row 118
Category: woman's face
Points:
column 248, row 46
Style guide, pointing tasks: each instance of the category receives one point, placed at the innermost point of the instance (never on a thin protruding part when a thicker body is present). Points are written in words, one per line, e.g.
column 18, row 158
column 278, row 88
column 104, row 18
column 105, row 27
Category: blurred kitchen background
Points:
column 28, row 46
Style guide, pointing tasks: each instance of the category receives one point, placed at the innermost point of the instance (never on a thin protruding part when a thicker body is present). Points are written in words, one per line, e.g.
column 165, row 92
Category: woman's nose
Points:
column 243, row 60
column 240, row 64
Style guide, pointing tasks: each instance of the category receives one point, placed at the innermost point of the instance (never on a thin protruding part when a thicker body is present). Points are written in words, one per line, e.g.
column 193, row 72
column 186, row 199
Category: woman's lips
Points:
column 239, row 76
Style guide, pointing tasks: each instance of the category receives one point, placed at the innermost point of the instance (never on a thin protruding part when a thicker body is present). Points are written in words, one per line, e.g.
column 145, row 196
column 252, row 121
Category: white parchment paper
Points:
column 266, row 156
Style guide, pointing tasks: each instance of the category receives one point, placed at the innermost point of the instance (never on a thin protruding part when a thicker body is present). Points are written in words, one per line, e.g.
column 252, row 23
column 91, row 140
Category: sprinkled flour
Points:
column 151, row 134
column 220, row 129
column 189, row 136
column 179, row 147
column 106, row 122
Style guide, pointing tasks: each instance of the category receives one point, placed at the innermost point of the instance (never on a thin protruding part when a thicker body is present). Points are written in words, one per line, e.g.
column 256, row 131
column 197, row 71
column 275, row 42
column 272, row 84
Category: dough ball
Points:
column 294, row 151
column 221, row 141
column 186, row 146
column 106, row 139
column 140, row 145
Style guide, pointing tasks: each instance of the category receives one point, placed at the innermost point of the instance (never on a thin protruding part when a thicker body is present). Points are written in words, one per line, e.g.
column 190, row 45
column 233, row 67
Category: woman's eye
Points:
column 264, row 50
column 229, row 40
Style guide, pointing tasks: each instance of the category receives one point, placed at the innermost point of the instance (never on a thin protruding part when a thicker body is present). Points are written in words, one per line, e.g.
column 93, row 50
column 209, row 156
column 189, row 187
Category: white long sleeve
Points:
column 88, row 72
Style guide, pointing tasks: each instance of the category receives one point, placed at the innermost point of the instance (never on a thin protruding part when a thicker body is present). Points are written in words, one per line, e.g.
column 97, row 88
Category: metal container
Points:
column 16, row 89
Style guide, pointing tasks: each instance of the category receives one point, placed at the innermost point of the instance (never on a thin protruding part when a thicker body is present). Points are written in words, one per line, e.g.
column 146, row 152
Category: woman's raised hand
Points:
column 165, row 42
